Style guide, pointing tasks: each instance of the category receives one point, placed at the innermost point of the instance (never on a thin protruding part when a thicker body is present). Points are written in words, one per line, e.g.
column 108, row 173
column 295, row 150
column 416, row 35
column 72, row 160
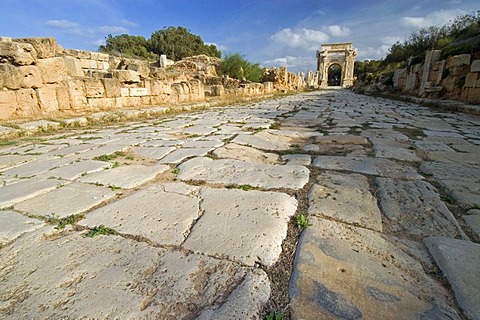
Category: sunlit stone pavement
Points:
column 184, row 216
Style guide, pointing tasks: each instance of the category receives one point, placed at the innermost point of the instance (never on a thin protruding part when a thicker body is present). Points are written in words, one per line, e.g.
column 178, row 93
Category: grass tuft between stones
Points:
column 100, row 230
column 274, row 315
column 61, row 223
column 302, row 221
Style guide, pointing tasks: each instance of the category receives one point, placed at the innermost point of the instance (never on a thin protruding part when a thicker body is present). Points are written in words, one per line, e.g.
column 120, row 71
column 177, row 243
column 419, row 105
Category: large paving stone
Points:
column 73, row 198
column 341, row 139
column 459, row 261
column 152, row 152
column 179, row 155
column 14, row 225
column 416, row 207
column 345, row 272
column 125, row 176
column 153, row 213
column 264, row 141
column 75, row 277
column 37, row 167
column 365, row 165
column 244, row 153
column 346, row 198
column 245, row 226
column 461, row 180
column 473, row 221
column 74, row 170
column 25, row 189
column 228, row 172
column 454, row 157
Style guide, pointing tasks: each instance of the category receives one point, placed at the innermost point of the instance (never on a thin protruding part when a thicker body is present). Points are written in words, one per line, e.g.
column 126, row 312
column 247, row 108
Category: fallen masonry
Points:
column 322, row 205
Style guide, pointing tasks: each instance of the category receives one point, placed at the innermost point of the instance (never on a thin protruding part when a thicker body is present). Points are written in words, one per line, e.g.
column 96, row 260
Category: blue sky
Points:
column 272, row 33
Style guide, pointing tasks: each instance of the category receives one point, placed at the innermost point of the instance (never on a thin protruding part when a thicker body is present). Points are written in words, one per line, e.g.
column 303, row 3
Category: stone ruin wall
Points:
column 40, row 79
column 456, row 78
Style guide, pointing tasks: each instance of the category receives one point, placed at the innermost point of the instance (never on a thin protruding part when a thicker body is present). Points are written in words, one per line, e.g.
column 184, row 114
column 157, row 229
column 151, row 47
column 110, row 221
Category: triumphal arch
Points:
column 335, row 65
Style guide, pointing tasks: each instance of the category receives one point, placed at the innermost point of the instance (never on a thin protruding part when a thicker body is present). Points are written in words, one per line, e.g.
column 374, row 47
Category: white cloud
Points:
column 389, row 40
column 337, row 31
column 292, row 63
column 112, row 29
column 436, row 18
column 305, row 39
column 371, row 53
column 128, row 23
column 66, row 26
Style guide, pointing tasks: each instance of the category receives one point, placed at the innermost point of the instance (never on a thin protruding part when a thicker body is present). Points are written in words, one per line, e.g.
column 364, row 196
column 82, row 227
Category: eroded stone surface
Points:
column 108, row 276
column 346, row 272
column 370, row 166
column 249, row 154
column 345, row 197
column 459, row 261
column 125, row 176
column 416, row 207
column 25, row 189
column 237, row 172
column 160, row 216
column 15, row 224
column 247, row 226
column 73, row 198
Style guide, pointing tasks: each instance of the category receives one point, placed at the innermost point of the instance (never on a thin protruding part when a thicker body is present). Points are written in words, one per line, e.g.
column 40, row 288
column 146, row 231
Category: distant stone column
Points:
column 163, row 61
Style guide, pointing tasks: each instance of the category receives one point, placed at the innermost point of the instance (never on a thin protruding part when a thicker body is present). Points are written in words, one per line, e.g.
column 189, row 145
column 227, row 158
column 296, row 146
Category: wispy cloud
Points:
column 66, row 26
column 296, row 62
column 337, row 31
column 128, row 23
column 304, row 39
column 112, row 29
column 74, row 28
column 436, row 18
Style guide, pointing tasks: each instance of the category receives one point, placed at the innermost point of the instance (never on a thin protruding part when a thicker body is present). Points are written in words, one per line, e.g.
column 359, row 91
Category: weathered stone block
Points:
column 27, row 102
column 76, row 92
column 12, row 77
column 53, row 70
column 471, row 79
column 74, row 66
column 473, row 95
column 102, row 65
column 5, row 39
column 124, row 92
column 112, row 87
column 94, row 88
column 97, row 104
column 19, row 54
column 475, row 66
column 138, row 92
column 458, row 60
column 63, row 98
column 103, row 57
column 122, row 102
column 8, row 104
column 85, row 63
column 126, row 76
column 411, row 82
column 45, row 47
column 47, row 99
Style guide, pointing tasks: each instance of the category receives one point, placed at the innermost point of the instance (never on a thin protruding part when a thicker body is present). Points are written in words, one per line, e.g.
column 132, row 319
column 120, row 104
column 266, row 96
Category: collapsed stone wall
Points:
column 39, row 78
column 456, row 78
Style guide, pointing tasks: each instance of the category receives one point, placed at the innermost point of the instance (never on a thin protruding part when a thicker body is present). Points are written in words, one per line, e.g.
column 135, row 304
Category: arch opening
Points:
column 334, row 75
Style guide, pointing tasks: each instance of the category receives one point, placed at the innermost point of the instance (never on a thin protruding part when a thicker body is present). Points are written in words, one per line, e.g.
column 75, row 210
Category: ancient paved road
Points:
column 184, row 217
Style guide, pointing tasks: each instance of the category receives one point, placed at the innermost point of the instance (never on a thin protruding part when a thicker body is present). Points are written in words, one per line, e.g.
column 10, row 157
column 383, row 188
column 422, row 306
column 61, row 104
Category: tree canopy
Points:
column 236, row 66
column 175, row 42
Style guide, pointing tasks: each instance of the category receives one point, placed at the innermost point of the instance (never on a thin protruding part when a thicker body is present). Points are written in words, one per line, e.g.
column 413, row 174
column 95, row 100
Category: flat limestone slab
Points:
column 473, row 221
column 297, row 159
column 416, row 207
column 228, row 172
column 345, row 197
column 459, row 261
column 125, row 176
column 7, row 160
column 74, row 170
column 14, row 225
column 25, row 189
column 341, row 139
column 246, row 226
column 153, row 152
column 244, row 153
column 264, row 141
column 344, row 272
column 161, row 216
column 179, row 155
column 365, row 165
column 73, row 198
column 36, row 167
column 75, row 277
column 461, row 180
